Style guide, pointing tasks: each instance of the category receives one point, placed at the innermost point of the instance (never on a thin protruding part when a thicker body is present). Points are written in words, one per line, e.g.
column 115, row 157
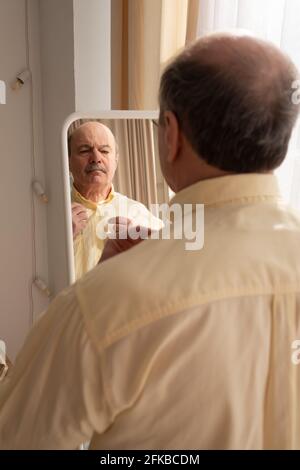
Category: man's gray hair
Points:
column 239, row 116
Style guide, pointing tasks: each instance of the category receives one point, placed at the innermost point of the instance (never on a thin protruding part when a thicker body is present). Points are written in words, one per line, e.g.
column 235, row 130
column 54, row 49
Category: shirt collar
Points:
column 77, row 197
column 230, row 188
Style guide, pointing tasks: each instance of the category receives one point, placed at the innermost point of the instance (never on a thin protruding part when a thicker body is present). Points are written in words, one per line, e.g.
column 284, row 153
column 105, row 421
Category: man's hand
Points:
column 79, row 218
column 122, row 242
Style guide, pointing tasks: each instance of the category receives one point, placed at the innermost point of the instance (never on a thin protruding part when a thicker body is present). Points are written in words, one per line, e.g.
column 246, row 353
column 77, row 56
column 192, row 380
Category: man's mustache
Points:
column 95, row 167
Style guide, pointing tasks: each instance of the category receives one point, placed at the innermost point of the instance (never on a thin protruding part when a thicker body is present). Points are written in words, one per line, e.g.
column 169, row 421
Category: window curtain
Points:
column 145, row 34
column 276, row 21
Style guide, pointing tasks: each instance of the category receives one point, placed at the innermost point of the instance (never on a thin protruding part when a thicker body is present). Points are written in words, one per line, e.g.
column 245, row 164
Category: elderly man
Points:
column 93, row 161
column 164, row 348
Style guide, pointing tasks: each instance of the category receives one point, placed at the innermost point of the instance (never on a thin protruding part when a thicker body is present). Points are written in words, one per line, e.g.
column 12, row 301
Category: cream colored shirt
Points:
column 164, row 348
column 88, row 245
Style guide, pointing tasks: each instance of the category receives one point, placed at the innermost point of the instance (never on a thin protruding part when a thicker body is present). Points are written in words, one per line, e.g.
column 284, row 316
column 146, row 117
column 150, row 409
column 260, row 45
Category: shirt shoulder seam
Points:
column 172, row 308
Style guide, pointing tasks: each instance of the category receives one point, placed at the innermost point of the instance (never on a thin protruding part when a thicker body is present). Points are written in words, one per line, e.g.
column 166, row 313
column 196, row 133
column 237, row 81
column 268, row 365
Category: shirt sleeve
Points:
column 54, row 398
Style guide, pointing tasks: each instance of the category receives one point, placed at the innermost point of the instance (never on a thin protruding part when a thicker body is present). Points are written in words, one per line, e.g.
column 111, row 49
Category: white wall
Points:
column 23, row 228
column 57, row 62
column 92, row 54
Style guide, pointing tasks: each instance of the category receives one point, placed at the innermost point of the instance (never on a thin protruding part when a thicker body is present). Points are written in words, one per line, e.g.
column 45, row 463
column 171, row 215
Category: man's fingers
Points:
column 139, row 232
column 82, row 216
column 129, row 231
column 119, row 226
column 78, row 210
column 119, row 221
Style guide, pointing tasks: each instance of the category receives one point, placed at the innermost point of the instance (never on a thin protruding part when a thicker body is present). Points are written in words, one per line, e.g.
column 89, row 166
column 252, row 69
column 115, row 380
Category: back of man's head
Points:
column 232, row 97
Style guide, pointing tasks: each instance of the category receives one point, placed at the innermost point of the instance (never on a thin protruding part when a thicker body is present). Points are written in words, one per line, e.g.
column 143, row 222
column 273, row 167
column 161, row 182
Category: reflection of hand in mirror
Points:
column 79, row 218
column 123, row 241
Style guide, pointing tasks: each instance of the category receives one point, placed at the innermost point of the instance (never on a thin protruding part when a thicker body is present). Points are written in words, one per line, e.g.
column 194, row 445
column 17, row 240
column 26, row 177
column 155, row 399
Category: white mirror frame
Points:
column 65, row 166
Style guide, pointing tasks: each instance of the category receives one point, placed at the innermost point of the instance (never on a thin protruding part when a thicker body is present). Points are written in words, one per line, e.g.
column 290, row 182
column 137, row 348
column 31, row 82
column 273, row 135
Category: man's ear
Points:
column 172, row 135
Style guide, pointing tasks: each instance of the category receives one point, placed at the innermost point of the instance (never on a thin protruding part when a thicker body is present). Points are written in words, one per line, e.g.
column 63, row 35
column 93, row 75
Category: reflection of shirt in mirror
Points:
column 89, row 244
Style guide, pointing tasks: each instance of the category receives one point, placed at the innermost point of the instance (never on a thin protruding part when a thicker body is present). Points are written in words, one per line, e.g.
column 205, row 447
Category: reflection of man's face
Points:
column 92, row 157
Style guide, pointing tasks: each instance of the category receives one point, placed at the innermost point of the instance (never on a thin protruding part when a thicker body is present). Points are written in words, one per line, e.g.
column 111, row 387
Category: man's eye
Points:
column 84, row 151
column 106, row 152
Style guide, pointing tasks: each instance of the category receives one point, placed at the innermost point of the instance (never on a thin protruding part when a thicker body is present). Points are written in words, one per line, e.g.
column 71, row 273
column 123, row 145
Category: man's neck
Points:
column 94, row 194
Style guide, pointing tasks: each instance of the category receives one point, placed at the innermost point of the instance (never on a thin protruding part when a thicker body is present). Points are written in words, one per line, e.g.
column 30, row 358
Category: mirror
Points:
column 111, row 169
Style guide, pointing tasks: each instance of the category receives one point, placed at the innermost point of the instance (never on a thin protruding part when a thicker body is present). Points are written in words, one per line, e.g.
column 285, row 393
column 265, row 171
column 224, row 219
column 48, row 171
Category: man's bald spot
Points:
column 241, row 59
column 90, row 126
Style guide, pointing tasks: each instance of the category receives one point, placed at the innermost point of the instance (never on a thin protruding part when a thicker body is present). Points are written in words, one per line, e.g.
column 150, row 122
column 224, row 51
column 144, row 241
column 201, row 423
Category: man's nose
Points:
column 95, row 156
